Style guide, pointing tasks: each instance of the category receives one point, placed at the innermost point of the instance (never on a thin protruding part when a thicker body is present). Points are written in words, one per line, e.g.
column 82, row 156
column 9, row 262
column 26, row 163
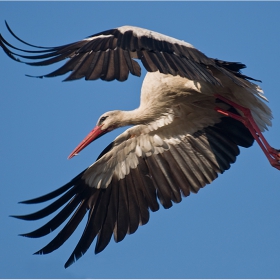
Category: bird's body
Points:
column 193, row 115
column 170, row 108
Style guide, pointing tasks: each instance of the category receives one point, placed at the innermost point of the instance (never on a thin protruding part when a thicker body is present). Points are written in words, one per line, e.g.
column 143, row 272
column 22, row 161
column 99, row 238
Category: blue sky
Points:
column 230, row 229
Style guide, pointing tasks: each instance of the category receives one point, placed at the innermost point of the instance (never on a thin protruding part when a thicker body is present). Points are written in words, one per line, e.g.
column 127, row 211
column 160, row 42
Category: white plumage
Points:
column 194, row 113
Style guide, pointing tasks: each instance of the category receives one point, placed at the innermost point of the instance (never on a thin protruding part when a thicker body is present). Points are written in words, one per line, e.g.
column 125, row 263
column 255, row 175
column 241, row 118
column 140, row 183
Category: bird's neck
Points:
column 134, row 117
column 144, row 116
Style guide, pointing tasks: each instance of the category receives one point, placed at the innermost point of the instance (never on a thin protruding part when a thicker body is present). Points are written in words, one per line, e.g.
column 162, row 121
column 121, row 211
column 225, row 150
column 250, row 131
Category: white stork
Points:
column 194, row 113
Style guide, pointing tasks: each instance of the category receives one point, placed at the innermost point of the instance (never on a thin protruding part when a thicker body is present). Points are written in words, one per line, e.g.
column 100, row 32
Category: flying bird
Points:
column 194, row 113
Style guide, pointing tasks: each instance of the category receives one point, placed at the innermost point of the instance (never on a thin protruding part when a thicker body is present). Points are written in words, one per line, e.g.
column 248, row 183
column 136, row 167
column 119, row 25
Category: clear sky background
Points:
column 230, row 229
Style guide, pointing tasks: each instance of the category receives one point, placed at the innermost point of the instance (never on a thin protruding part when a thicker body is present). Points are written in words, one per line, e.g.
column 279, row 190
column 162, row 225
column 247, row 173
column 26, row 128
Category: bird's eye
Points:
column 102, row 119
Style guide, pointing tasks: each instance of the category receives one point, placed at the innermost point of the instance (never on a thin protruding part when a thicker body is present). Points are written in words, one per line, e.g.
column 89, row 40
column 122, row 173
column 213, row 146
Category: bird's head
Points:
column 107, row 122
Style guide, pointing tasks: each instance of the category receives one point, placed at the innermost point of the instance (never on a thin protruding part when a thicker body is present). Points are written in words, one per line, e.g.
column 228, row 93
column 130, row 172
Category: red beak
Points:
column 93, row 135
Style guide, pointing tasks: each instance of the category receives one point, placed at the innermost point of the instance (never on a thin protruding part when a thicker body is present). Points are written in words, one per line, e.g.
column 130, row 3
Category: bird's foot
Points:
column 274, row 157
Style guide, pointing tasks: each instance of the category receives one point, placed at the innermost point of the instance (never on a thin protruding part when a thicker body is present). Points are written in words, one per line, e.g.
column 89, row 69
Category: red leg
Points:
column 272, row 154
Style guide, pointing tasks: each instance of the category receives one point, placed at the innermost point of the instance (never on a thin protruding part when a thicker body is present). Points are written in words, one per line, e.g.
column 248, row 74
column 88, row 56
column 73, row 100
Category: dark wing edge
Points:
column 125, row 204
column 111, row 55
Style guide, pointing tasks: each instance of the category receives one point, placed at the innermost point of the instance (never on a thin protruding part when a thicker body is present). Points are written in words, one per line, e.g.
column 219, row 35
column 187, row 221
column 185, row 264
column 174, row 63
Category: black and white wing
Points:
column 141, row 168
column 111, row 55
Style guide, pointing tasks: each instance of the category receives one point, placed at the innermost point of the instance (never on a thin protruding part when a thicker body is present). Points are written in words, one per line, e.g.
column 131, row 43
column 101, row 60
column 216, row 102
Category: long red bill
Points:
column 94, row 134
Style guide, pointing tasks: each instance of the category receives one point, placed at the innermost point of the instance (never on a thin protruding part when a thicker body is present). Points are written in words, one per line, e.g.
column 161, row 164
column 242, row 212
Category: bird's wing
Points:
column 111, row 55
column 132, row 174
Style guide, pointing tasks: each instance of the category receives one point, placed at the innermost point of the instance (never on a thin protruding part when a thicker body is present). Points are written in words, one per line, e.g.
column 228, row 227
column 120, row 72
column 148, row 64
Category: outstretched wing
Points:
column 111, row 55
column 132, row 175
